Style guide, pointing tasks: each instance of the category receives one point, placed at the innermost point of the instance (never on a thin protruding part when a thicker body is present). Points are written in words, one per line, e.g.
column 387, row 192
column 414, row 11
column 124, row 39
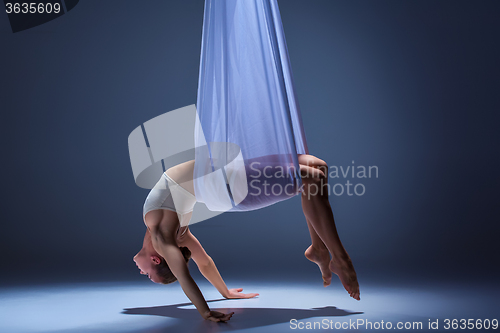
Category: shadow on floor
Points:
column 243, row 318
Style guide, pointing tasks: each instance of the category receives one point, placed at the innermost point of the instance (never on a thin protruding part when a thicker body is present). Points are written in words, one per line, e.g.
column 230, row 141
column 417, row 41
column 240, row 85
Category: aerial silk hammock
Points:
column 248, row 128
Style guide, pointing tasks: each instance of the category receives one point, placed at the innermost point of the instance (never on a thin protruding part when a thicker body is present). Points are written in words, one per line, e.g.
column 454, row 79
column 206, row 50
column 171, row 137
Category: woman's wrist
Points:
column 204, row 310
column 206, row 314
column 225, row 293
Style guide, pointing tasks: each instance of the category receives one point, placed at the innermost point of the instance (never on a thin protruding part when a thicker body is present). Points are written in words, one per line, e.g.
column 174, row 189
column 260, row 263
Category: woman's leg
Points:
column 319, row 216
column 318, row 253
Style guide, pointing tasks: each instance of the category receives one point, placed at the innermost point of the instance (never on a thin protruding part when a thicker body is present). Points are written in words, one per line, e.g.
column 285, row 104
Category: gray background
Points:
column 409, row 86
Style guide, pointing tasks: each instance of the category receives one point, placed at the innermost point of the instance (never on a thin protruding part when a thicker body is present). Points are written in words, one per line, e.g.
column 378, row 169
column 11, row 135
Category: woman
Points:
column 168, row 236
column 247, row 113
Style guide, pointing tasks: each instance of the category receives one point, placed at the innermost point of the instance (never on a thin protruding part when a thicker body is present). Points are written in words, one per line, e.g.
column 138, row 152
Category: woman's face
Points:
column 147, row 265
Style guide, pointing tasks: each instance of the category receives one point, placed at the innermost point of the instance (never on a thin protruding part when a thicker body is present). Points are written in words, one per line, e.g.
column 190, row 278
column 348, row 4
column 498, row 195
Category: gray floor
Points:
column 145, row 307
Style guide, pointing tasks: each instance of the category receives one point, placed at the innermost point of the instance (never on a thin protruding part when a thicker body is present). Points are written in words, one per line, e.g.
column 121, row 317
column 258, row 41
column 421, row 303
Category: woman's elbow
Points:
column 205, row 262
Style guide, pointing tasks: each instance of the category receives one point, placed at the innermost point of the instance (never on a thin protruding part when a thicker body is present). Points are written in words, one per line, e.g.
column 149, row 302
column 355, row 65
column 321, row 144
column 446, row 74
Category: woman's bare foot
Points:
column 347, row 275
column 322, row 259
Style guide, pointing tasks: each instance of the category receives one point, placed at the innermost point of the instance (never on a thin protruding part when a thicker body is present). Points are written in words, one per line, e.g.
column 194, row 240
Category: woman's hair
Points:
column 164, row 271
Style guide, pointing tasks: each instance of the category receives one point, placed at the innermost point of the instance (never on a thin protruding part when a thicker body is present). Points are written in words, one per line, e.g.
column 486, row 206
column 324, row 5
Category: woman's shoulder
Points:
column 162, row 222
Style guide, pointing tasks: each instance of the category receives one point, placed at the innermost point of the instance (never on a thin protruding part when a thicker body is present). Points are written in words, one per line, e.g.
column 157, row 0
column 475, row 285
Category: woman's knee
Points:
column 323, row 167
column 313, row 175
column 308, row 161
column 313, row 161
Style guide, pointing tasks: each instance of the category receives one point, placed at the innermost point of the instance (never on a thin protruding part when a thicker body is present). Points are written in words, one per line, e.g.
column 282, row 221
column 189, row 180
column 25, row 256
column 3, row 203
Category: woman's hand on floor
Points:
column 236, row 293
column 218, row 316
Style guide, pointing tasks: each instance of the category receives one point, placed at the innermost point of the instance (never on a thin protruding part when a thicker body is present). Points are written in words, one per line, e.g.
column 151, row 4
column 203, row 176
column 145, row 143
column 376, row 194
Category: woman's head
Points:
column 163, row 271
column 155, row 267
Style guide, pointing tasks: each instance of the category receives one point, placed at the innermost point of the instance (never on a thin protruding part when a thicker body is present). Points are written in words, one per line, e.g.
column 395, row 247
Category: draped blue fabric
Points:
column 246, row 99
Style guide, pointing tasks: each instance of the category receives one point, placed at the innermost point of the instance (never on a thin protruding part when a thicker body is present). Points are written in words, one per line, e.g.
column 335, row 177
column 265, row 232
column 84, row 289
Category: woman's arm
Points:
column 207, row 267
column 166, row 246
column 210, row 272
column 162, row 230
